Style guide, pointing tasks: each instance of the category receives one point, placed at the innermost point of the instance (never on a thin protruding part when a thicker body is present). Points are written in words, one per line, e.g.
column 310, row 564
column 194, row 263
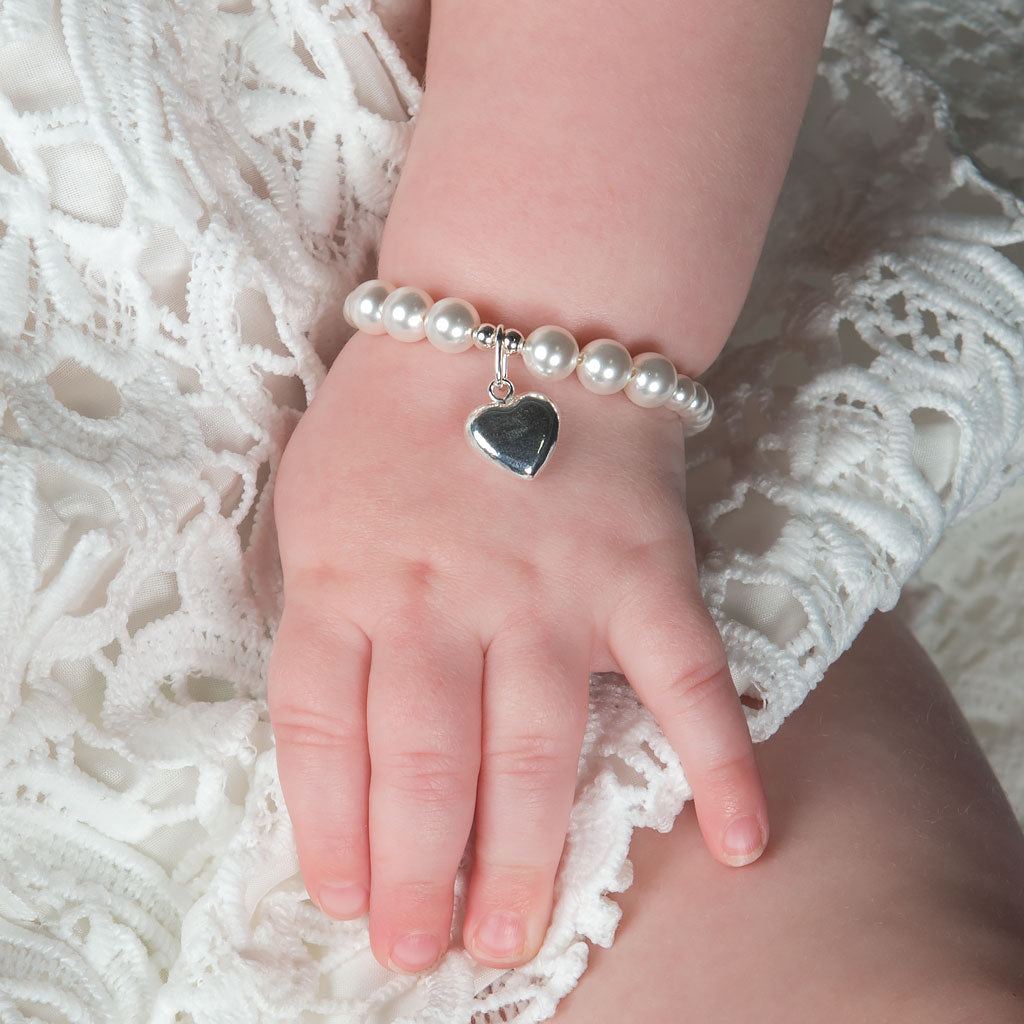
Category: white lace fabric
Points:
column 187, row 192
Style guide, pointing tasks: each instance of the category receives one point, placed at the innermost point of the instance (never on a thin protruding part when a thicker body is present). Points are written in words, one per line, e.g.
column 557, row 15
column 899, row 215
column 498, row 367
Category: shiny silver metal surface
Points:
column 518, row 434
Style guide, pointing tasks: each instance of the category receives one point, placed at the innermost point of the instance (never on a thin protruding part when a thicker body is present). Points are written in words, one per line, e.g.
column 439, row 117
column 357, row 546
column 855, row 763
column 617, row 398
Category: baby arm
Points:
column 613, row 171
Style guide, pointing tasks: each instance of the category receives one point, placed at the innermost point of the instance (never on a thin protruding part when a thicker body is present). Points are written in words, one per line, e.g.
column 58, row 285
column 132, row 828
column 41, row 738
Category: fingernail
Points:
column 743, row 842
column 343, row 901
column 415, row 952
column 500, row 936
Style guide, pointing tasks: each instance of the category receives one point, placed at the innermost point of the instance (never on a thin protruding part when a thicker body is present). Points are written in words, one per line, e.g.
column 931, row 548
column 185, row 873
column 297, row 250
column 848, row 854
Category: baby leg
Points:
column 892, row 889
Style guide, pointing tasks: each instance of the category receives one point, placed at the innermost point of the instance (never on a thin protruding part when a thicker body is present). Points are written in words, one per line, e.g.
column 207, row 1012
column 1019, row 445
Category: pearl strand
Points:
column 603, row 366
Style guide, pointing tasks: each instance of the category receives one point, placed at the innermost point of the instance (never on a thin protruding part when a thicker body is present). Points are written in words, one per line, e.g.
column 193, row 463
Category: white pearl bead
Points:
column 450, row 325
column 692, row 402
column 683, row 396
column 364, row 304
column 604, row 366
column 404, row 313
column 700, row 413
column 654, row 381
column 551, row 352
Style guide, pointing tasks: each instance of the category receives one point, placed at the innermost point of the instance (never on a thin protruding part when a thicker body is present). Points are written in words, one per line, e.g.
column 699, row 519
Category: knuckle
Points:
column 412, row 898
column 419, row 587
column 429, row 776
column 417, row 892
column 531, row 759
column 417, row 609
column 518, row 885
column 313, row 636
column 415, row 578
column 727, row 773
column 532, row 770
column 307, row 727
column 337, row 848
column 519, row 572
column 645, row 561
column 317, row 583
column 689, row 693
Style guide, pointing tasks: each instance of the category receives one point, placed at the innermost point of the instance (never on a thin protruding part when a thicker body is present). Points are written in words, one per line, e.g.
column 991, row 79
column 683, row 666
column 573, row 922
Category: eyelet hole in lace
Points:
column 754, row 701
column 84, row 184
column 766, row 607
column 936, row 451
column 157, row 597
column 81, row 390
column 755, row 526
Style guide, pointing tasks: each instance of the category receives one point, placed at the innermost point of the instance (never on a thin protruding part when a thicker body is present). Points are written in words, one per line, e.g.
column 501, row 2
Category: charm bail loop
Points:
column 501, row 352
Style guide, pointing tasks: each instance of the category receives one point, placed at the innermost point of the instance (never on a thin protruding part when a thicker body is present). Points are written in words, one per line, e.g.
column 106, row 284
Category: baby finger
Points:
column 317, row 697
column 423, row 720
column 672, row 653
column 535, row 709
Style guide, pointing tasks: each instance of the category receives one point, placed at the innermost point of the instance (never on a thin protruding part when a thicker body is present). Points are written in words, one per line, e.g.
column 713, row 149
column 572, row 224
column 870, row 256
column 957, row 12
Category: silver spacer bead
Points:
column 514, row 341
column 483, row 336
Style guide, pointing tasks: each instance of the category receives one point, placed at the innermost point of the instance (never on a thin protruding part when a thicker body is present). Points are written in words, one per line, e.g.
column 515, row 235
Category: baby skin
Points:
column 613, row 171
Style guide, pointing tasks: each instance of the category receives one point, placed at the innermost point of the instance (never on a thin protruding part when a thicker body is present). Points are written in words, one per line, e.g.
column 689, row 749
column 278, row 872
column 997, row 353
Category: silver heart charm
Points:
column 517, row 433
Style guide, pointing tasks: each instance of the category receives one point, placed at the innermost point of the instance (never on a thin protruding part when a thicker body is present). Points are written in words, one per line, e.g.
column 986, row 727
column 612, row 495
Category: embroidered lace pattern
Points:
column 187, row 192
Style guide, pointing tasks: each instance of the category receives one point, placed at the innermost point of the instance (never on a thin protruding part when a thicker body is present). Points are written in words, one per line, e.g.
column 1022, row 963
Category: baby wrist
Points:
column 520, row 433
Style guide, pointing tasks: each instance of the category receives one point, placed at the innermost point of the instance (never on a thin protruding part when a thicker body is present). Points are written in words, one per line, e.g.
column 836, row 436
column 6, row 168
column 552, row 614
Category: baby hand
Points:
column 441, row 621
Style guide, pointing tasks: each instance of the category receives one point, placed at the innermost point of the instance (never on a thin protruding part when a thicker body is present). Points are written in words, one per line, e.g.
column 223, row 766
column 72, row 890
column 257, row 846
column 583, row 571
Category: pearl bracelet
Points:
column 519, row 433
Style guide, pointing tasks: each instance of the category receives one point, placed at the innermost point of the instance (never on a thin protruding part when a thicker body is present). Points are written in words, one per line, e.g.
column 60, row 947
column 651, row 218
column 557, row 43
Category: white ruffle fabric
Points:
column 187, row 193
